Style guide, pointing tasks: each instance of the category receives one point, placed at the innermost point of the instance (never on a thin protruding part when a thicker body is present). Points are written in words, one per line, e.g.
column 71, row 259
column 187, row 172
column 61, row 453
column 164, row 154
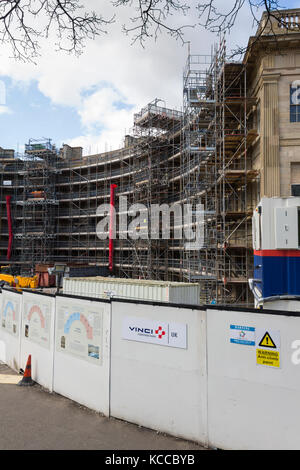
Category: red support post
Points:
column 10, row 233
column 111, row 228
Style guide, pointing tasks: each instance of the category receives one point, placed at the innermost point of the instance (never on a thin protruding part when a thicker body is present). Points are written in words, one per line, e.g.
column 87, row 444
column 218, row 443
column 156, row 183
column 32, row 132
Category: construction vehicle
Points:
column 20, row 282
column 40, row 195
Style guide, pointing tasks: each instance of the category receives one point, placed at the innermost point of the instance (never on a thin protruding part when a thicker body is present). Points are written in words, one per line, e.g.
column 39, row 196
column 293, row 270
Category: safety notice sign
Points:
column 37, row 322
column 79, row 332
column 242, row 335
column 10, row 318
column 268, row 347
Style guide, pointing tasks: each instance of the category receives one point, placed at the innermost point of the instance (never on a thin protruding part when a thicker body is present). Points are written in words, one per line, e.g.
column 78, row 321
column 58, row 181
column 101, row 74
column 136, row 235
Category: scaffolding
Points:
column 38, row 229
column 199, row 157
column 81, row 187
column 216, row 168
column 156, row 138
column 198, row 168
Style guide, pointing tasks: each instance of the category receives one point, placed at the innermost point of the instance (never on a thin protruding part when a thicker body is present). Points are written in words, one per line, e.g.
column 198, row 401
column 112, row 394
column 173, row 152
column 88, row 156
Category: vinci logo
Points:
column 160, row 332
column 149, row 331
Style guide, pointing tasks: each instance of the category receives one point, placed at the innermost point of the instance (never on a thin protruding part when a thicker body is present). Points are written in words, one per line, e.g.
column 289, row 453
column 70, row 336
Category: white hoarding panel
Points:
column 253, row 389
column 2, row 343
column 82, row 349
column 10, row 324
column 156, row 381
column 37, row 336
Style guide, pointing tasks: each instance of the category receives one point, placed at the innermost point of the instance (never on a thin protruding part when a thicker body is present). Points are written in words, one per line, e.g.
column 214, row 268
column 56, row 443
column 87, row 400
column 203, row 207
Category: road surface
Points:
column 33, row 419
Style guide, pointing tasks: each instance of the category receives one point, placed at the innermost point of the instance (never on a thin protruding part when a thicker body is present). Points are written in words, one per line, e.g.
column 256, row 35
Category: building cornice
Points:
column 268, row 79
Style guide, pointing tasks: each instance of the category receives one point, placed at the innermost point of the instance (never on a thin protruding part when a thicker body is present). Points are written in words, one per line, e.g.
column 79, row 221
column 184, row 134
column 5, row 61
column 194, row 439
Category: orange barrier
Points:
column 27, row 380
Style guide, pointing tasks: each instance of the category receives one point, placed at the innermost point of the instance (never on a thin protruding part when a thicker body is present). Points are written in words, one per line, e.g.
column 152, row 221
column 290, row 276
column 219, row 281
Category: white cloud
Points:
column 101, row 110
column 110, row 71
column 101, row 107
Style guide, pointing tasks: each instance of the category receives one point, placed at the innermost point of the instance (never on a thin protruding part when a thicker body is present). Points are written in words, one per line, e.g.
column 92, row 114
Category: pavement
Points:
column 34, row 419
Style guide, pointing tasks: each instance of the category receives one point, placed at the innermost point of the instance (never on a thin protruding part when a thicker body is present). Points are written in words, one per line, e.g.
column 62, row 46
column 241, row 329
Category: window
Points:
column 296, row 190
column 295, row 102
column 295, row 179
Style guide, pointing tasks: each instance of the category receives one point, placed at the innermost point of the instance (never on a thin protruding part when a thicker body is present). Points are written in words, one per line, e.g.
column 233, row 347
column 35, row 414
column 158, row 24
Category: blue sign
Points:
column 242, row 335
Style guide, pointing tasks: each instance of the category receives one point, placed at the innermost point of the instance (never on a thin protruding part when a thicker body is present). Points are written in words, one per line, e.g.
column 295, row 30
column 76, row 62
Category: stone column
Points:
column 270, row 176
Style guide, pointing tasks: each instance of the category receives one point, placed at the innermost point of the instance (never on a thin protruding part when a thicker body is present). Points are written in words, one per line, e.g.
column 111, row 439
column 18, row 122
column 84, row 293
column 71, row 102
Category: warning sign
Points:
column 267, row 341
column 268, row 347
column 267, row 358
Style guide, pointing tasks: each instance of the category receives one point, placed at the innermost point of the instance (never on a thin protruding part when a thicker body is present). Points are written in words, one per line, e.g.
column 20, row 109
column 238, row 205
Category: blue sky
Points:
column 33, row 115
column 90, row 101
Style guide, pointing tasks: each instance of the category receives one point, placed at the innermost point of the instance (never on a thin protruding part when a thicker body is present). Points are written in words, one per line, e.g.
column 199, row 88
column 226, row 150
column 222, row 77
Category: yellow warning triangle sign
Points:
column 267, row 341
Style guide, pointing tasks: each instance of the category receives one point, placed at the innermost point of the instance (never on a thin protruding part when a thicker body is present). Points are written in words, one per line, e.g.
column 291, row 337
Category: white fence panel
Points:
column 37, row 336
column 82, row 351
column 2, row 343
column 10, row 325
column 252, row 405
column 159, row 380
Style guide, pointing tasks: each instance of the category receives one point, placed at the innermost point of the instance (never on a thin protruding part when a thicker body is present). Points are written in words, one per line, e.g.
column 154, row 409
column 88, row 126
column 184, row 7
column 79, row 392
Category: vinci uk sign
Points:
column 148, row 331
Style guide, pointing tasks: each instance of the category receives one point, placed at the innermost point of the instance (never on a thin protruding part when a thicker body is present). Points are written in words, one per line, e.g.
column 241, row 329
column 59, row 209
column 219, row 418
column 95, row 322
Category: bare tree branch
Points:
column 220, row 21
column 72, row 23
column 151, row 18
column 21, row 20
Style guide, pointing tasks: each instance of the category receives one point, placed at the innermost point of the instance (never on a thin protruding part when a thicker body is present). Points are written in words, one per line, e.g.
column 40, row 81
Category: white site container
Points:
column 160, row 291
